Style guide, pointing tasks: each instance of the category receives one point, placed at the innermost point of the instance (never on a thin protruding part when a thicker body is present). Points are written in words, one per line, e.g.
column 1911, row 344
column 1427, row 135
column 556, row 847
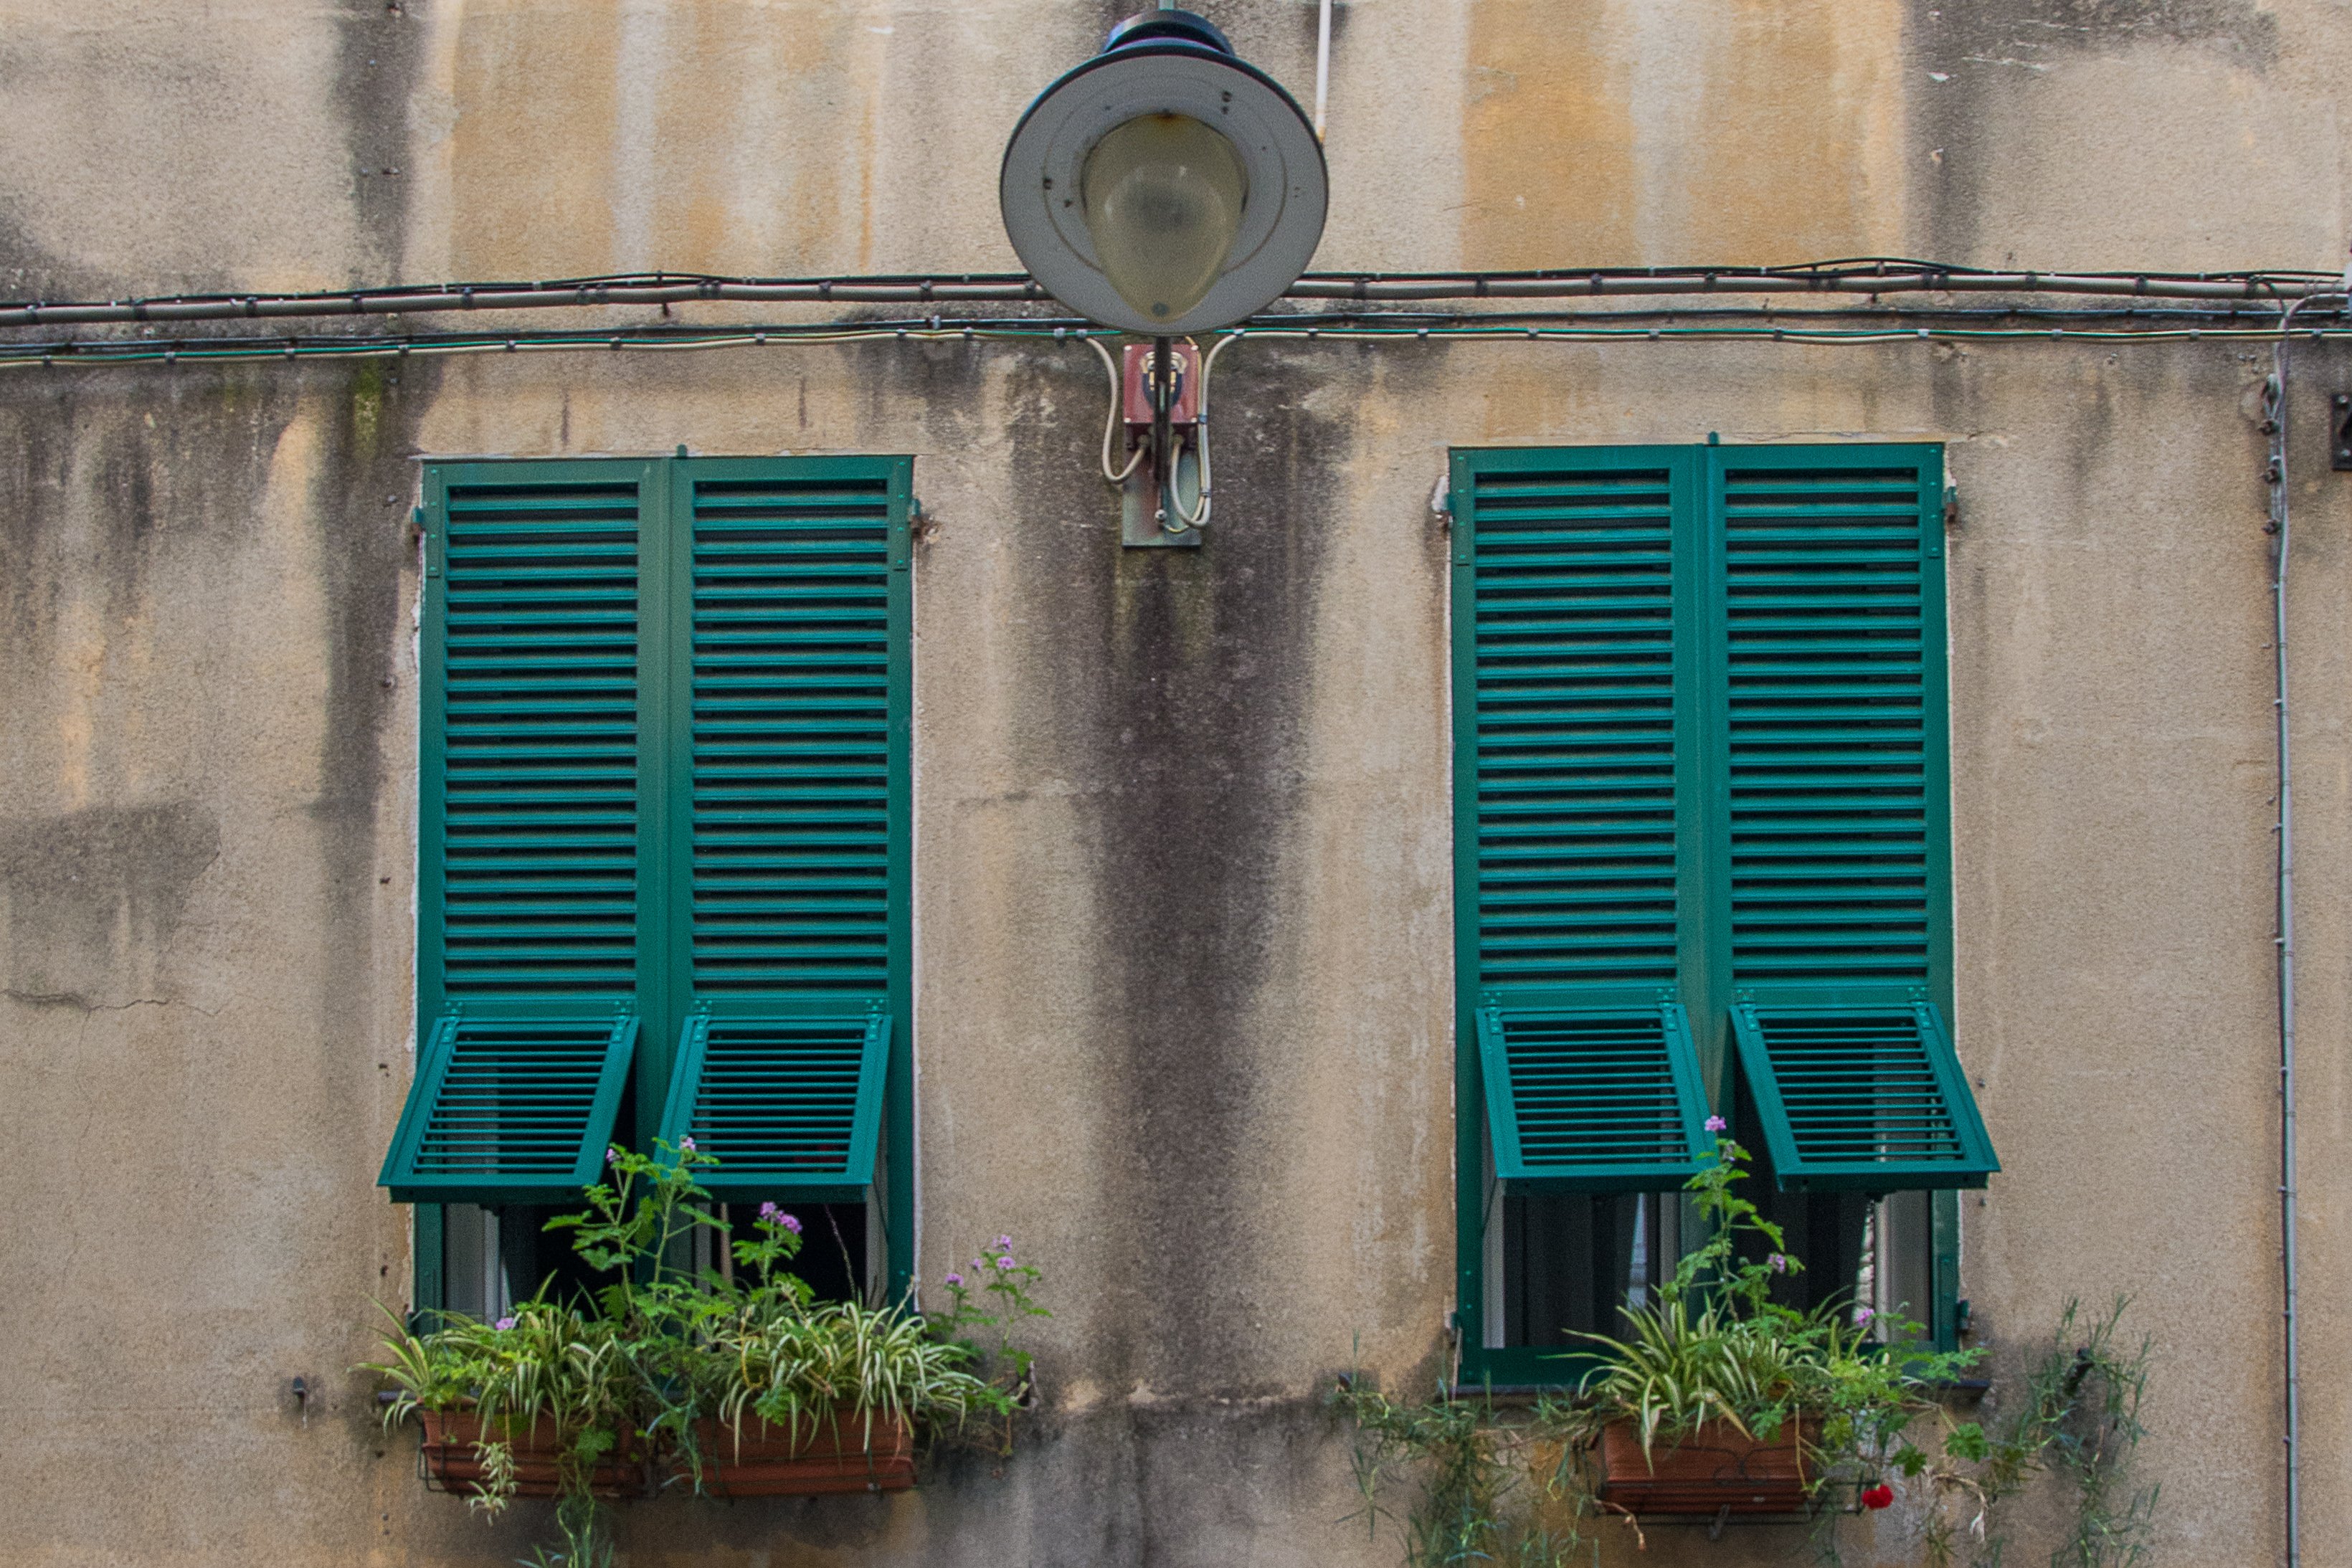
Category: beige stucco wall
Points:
column 1184, row 846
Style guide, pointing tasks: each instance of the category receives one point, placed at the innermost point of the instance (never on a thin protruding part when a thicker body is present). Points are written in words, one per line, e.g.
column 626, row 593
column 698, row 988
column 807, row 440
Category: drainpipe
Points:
column 2274, row 422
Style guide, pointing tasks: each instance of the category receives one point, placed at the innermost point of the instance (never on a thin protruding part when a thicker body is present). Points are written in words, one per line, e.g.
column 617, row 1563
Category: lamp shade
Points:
column 1164, row 186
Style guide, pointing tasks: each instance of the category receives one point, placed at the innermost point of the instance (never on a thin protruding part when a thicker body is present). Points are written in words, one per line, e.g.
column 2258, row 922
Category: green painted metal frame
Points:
column 1511, row 1162
column 1794, row 1172
column 841, row 1185
column 434, row 1059
column 664, row 974
column 1703, row 809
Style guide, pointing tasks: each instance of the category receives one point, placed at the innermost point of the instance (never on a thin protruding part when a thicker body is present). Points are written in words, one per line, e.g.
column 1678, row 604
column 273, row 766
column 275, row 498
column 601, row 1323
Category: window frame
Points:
column 665, row 542
column 1694, row 477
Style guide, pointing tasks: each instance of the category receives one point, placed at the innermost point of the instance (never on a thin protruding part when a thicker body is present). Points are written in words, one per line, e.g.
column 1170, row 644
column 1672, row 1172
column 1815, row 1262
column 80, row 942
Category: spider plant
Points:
column 656, row 1350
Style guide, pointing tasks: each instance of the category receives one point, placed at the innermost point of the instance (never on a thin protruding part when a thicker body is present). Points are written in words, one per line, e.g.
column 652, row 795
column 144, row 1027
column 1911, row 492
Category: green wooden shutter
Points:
column 1833, row 735
column 796, row 818
column 1836, row 840
column 511, row 1109
column 790, row 1102
column 533, row 831
column 1570, row 755
column 791, row 753
column 1574, row 714
column 1862, row 1097
column 1593, row 1100
column 536, row 763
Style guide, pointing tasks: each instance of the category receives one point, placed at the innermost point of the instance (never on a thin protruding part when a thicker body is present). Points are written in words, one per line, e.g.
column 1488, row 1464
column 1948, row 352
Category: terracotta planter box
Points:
column 1712, row 1470
column 450, row 1464
column 837, row 1453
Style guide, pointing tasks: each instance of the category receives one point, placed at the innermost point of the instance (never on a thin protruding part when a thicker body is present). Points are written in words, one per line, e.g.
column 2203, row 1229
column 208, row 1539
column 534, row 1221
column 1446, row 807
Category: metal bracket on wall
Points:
column 1138, row 508
column 1161, row 417
column 2339, row 432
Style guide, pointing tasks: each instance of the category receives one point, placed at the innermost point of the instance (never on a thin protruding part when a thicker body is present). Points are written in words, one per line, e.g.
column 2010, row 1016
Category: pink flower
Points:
column 1004, row 1244
column 686, row 1146
column 1863, row 1316
column 505, row 1324
column 1778, row 1262
column 954, row 1278
column 1716, row 1123
column 1005, row 1261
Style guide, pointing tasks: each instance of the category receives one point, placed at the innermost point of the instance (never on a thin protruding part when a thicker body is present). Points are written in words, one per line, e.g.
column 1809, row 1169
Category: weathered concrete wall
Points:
column 1184, row 908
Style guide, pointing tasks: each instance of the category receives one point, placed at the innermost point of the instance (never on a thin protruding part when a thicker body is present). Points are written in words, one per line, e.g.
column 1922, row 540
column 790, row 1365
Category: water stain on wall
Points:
column 716, row 135
column 89, row 899
column 2001, row 31
column 1633, row 132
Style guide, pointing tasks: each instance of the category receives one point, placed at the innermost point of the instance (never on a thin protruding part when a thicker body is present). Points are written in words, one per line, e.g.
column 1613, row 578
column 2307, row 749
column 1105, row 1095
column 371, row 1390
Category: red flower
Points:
column 1880, row 1496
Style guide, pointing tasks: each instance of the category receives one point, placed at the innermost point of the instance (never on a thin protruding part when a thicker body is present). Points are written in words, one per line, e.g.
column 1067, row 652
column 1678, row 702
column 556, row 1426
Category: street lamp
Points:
column 1164, row 187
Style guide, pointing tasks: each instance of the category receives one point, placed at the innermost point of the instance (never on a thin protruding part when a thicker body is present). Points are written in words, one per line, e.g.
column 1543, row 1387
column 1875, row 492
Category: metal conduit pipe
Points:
column 1870, row 277
column 2274, row 423
column 1322, row 64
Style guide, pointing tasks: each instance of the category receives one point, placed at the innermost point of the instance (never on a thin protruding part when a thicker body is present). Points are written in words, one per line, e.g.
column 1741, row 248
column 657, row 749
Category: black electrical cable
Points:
column 1801, row 327
column 1868, row 274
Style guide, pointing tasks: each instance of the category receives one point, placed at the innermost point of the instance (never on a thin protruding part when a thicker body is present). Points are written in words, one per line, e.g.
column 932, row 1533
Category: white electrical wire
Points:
column 1111, row 423
column 1201, row 442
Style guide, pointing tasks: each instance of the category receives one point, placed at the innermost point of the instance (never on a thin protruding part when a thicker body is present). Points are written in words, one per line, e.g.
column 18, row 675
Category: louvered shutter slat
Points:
column 538, row 742
column 1574, row 728
column 790, row 731
column 1826, row 752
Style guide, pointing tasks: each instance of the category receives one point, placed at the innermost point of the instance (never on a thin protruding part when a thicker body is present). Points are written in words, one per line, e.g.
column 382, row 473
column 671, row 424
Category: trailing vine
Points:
column 2078, row 1421
column 1491, row 1490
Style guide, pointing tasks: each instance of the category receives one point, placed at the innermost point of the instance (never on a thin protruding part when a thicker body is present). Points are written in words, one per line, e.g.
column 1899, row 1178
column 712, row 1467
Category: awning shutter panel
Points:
column 1593, row 1099
column 1862, row 1097
column 512, row 1107
column 789, row 1100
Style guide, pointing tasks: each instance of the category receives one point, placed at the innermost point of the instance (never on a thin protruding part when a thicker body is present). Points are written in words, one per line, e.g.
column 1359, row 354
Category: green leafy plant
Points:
column 636, row 1371
column 1713, row 1345
column 1709, row 1346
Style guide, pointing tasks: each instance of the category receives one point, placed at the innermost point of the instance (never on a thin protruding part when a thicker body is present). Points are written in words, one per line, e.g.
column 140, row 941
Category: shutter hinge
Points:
column 1441, row 506
column 1932, row 537
column 902, row 537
